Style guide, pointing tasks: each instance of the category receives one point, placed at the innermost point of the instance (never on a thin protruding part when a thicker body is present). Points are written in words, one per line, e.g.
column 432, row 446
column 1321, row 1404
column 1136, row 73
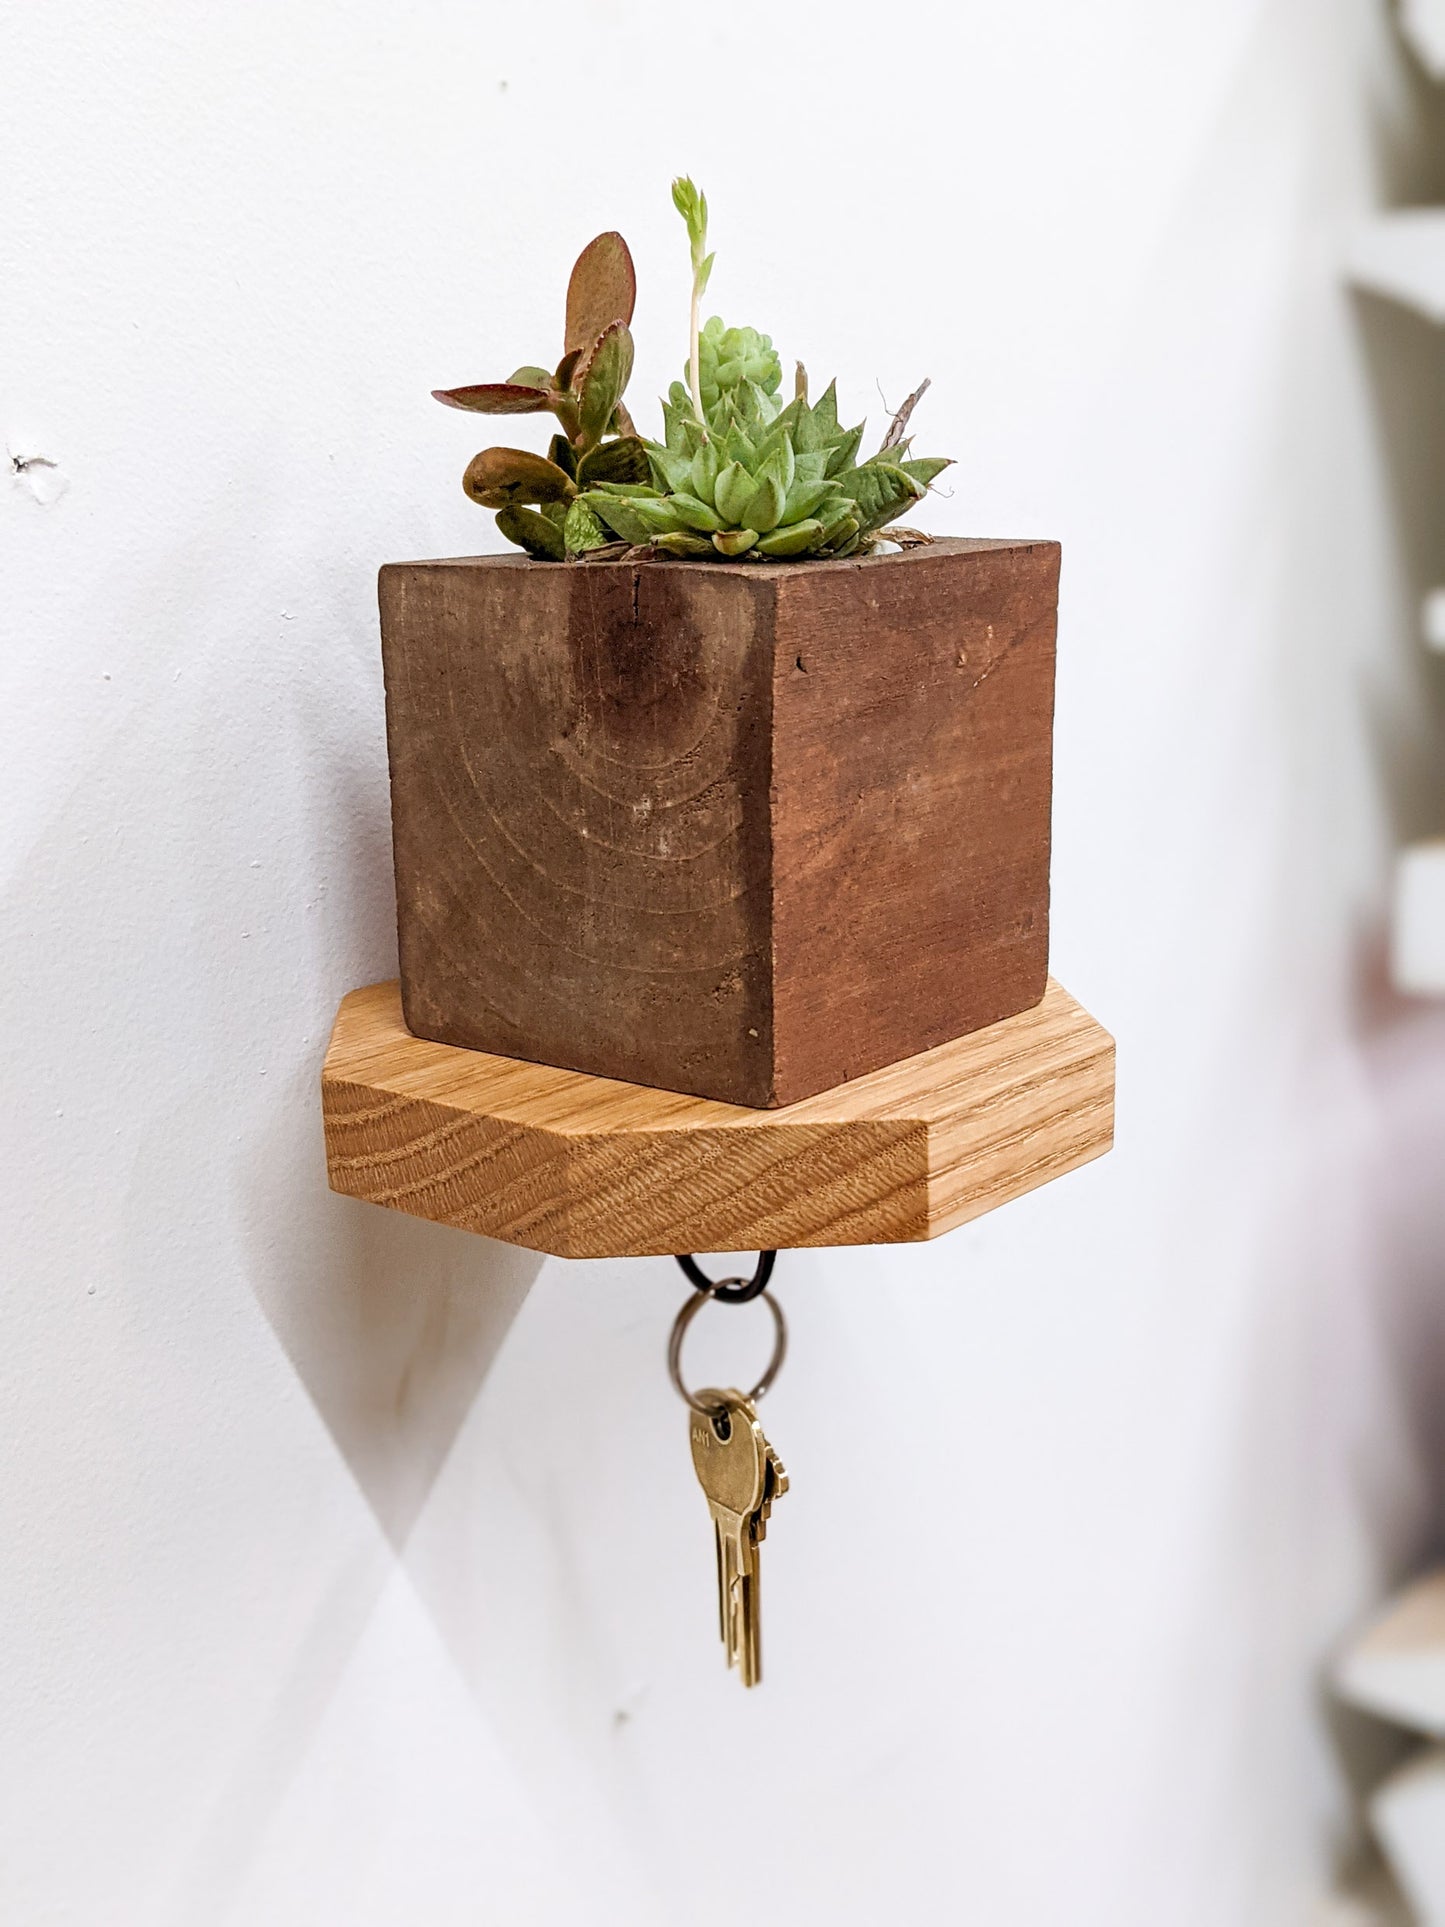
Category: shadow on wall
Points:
column 392, row 1325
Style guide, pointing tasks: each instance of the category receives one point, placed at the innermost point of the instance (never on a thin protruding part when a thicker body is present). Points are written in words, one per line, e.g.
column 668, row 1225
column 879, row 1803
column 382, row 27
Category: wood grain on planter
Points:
column 736, row 830
column 585, row 1167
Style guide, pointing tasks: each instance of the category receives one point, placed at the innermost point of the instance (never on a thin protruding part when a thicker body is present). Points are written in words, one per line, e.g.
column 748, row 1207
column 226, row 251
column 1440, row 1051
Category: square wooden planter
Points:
column 740, row 830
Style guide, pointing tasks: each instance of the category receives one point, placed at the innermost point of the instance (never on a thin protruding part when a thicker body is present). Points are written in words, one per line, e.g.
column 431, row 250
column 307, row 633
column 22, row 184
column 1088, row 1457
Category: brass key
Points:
column 775, row 1483
column 741, row 1476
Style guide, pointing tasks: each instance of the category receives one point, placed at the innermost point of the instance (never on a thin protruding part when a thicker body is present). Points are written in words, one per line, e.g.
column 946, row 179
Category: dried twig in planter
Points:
column 900, row 420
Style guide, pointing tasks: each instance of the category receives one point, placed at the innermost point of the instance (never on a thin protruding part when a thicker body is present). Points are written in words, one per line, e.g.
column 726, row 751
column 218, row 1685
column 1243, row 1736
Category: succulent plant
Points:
column 537, row 497
column 741, row 473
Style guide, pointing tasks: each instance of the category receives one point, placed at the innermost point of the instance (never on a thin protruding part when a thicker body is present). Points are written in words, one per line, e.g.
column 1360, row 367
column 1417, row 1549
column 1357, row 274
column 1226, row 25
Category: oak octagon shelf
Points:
column 583, row 1167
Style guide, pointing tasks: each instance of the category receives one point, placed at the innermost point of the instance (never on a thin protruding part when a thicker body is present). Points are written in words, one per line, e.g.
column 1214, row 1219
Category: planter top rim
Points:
column 752, row 571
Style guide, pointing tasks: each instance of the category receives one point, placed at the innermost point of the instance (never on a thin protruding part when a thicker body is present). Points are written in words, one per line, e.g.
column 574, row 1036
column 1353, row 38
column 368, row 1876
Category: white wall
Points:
column 320, row 1604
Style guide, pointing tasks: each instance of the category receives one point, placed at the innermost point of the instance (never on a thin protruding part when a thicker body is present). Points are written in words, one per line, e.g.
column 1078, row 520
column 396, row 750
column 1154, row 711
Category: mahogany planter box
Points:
column 740, row 830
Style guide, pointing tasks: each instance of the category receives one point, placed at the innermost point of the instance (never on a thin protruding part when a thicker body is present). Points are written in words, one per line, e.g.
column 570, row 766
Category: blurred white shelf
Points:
column 1423, row 24
column 1396, row 1668
column 1402, row 256
column 1417, row 920
column 1408, row 1816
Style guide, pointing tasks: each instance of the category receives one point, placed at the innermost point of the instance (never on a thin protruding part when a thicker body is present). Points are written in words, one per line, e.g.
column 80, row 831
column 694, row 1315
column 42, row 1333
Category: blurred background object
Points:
column 1400, row 255
column 1423, row 24
column 1395, row 1670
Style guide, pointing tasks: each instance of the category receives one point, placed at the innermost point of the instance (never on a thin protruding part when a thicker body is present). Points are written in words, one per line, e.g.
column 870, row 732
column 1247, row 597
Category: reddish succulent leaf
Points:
column 503, row 477
column 566, row 368
column 623, row 460
column 602, row 290
column 496, row 398
column 602, row 377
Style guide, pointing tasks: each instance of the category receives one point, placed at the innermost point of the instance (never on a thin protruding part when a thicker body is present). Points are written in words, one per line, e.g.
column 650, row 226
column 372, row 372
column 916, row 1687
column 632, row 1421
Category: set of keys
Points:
column 740, row 1473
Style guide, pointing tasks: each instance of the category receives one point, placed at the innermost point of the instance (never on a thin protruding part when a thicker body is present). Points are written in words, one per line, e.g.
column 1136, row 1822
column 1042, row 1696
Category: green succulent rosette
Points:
column 730, row 359
column 760, row 479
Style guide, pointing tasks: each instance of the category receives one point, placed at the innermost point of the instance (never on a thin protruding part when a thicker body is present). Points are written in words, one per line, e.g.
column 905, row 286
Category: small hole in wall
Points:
column 799, row 664
column 42, row 477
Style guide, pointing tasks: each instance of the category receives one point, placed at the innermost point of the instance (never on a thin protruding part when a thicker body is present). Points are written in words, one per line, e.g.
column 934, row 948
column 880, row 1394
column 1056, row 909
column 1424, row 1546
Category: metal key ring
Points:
column 729, row 1291
column 679, row 1331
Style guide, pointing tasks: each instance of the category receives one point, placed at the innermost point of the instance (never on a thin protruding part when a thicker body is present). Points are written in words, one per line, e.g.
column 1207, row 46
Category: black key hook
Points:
column 730, row 1291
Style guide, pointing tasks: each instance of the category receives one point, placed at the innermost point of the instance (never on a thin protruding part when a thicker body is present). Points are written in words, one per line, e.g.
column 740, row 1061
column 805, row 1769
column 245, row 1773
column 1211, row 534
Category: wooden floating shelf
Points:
column 583, row 1167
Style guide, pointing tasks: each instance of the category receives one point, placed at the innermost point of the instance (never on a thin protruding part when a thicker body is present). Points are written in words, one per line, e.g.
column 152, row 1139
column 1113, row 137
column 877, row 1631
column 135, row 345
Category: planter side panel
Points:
column 912, row 789
column 580, row 769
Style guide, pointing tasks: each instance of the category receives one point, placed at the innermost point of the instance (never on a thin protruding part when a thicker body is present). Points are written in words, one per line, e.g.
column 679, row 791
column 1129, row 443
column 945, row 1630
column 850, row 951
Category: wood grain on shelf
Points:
column 584, row 1166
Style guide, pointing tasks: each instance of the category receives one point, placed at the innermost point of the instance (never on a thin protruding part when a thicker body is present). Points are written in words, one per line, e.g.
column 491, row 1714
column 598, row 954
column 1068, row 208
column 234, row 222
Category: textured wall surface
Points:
column 352, row 1570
